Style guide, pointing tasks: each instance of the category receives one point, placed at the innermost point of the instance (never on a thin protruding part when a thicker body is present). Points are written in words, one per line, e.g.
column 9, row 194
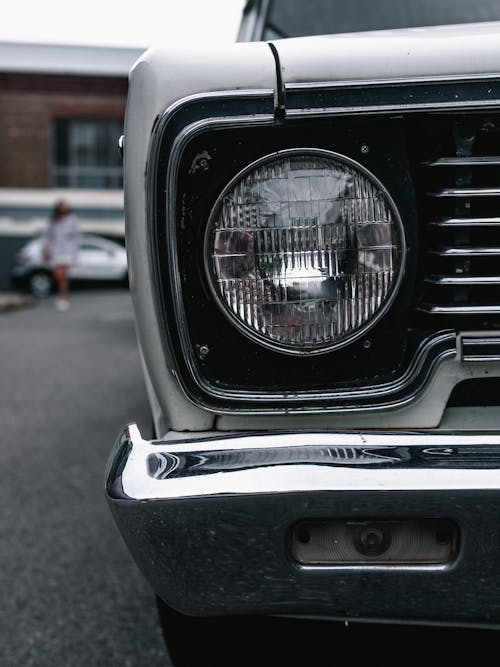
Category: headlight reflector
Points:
column 304, row 250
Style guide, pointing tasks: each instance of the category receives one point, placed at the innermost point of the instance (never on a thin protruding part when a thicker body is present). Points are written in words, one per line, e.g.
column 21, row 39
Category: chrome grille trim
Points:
column 466, row 222
column 479, row 347
column 466, row 192
column 463, row 280
column 349, row 399
column 466, row 252
column 460, row 310
column 460, row 193
column 464, row 161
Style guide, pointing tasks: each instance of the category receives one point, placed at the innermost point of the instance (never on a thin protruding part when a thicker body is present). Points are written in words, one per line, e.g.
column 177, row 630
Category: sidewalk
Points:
column 12, row 300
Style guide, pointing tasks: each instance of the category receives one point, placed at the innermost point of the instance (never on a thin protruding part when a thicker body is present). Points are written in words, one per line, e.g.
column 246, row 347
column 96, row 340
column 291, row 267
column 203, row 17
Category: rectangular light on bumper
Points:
column 374, row 542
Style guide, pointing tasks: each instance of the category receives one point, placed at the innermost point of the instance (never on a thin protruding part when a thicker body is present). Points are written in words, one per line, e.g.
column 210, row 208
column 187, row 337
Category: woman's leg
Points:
column 61, row 277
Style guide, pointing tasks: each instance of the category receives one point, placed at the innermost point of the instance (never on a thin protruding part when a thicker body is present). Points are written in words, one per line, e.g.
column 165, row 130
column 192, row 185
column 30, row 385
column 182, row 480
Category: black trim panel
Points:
column 250, row 394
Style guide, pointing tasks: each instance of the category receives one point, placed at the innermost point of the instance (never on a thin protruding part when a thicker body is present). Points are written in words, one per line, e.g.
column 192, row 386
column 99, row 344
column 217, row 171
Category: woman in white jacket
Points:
column 62, row 239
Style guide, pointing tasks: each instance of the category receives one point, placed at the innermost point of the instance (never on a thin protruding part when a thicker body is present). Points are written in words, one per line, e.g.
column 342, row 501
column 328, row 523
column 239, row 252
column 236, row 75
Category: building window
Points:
column 86, row 153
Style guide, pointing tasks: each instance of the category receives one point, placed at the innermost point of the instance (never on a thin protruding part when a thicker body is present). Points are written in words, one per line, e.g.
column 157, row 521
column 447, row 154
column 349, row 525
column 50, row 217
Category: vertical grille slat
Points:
column 459, row 189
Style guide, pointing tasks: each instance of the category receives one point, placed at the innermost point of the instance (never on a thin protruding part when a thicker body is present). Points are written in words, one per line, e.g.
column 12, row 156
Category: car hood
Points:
column 439, row 51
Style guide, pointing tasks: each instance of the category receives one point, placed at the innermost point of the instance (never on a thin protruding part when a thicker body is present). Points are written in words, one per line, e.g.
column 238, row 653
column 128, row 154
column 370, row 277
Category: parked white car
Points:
column 99, row 260
column 313, row 229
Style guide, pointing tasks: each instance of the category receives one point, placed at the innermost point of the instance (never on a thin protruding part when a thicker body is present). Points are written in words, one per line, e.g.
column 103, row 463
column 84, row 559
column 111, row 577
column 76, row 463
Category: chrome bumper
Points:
column 207, row 519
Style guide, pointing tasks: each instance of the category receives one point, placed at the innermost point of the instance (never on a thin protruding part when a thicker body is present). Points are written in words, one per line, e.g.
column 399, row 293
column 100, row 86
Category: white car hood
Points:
column 430, row 52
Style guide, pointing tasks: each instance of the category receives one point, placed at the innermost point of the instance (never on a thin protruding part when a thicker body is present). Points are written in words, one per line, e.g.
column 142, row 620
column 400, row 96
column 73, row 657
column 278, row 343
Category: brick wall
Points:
column 28, row 105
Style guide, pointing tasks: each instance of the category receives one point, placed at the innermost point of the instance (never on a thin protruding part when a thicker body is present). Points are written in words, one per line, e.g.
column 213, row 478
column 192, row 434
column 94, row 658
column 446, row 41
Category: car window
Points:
column 87, row 245
column 296, row 18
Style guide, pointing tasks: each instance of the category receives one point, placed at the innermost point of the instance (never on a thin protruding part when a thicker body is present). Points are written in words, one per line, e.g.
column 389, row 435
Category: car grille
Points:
column 460, row 202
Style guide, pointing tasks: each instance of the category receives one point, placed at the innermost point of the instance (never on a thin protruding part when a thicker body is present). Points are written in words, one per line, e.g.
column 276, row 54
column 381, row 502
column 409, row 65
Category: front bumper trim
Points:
column 288, row 462
column 208, row 519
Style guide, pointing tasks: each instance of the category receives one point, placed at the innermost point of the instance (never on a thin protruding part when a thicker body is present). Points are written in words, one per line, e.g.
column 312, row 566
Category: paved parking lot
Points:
column 71, row 595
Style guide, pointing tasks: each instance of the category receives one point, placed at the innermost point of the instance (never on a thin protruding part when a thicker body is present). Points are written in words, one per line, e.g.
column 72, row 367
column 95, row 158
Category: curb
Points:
column 13, row 301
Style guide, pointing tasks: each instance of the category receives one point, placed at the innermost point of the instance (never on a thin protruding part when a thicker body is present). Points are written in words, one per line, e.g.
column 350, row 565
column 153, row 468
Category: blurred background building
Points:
column 61, row 116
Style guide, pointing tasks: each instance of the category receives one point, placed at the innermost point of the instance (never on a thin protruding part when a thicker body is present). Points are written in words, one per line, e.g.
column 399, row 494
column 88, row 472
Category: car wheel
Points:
column 41, row 284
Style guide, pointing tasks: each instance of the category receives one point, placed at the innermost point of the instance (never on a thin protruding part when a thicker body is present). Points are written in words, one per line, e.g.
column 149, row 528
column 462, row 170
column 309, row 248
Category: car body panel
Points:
column 303, row 61
column 206, row 507
column 208, row 519
column 441, row 52
column 98, row 259
column 159, row 81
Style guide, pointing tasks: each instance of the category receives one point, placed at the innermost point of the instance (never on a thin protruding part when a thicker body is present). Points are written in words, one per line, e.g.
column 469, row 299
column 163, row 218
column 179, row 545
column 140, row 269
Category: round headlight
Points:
column 304, row 250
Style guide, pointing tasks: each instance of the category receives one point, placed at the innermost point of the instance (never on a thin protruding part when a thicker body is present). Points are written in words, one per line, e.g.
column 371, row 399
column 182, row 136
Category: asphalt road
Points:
column 70, row 593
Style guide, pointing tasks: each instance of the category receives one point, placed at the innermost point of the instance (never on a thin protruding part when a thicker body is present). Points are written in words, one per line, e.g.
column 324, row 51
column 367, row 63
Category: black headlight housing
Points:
column 203, row 147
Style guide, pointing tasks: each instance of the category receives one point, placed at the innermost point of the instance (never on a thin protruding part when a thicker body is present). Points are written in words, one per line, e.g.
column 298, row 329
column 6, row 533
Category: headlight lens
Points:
column 304, row 250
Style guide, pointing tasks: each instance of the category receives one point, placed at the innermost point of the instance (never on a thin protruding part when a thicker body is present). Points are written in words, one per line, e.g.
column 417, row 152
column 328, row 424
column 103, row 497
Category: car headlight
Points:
column 304, row 250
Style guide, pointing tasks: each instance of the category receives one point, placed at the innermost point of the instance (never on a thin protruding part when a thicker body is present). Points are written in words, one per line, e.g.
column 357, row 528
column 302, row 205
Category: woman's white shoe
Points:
column 62, row 305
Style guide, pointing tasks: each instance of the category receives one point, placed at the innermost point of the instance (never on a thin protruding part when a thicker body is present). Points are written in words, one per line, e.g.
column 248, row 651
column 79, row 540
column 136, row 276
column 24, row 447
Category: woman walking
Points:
column 62, row 239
